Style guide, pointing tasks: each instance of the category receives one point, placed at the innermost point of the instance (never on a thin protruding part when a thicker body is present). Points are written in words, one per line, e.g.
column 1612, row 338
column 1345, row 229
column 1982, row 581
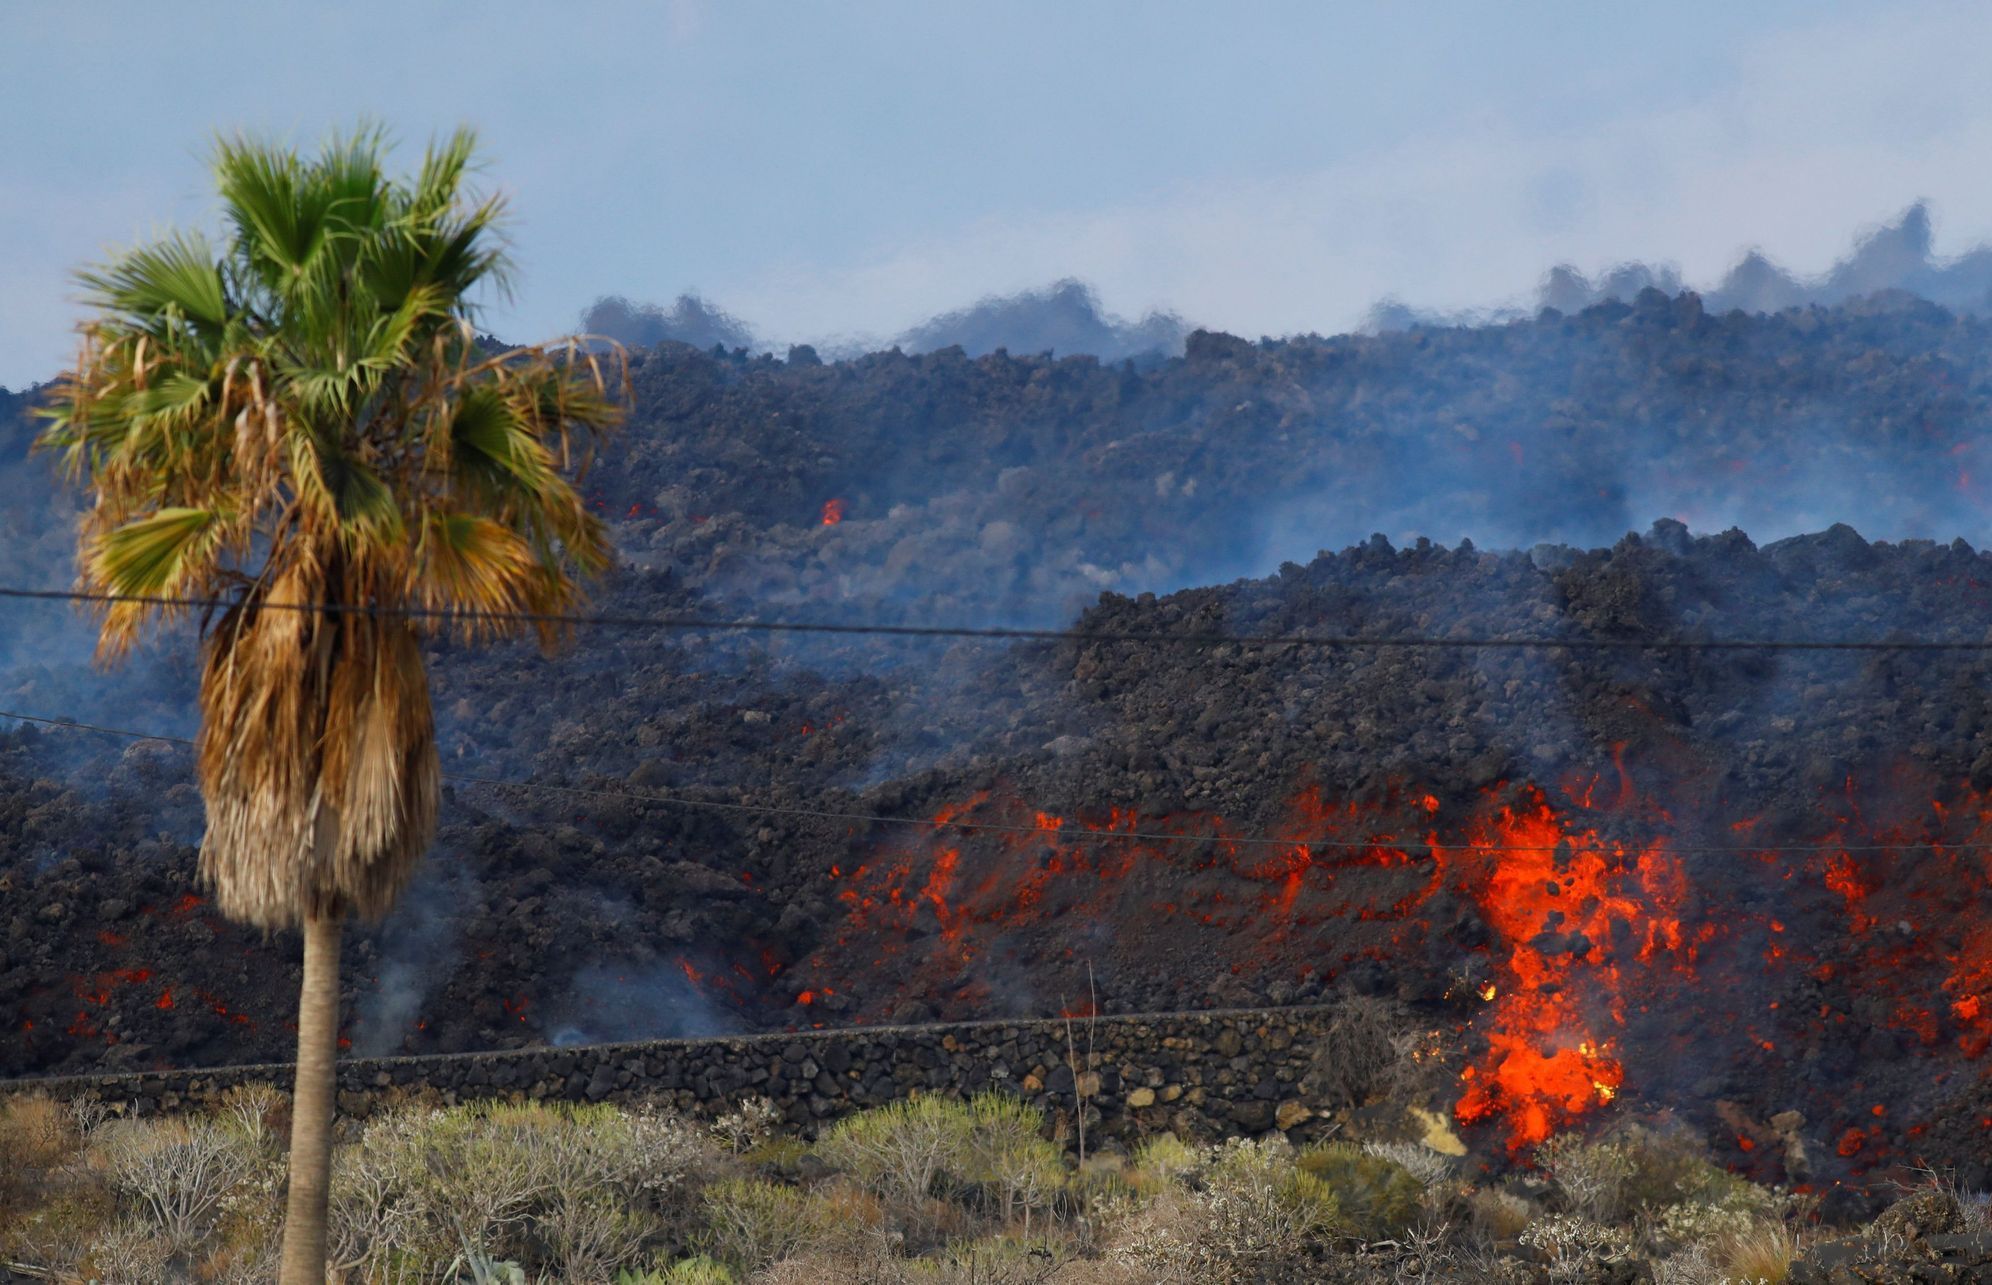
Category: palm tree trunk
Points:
column 311, row 1106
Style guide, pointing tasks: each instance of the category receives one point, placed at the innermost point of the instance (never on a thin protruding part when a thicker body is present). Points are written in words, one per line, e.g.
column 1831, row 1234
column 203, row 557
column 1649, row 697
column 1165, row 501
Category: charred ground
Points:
column 1520, row 847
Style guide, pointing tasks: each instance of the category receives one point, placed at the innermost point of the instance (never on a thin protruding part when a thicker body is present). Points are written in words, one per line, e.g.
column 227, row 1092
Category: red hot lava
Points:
column 1575, row 915
column 1601, row 950
column 833, row 512
column 119, row 1004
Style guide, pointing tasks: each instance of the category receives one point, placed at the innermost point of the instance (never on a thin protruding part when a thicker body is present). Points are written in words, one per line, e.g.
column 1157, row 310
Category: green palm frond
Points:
column 176, row 396
column 176, row 278
column 275, row 229
column 152, row 555
column 369, row 511
column 316, row 374
column 493, row 447
column 348, row 181
column 390, row 339
column 437, row 183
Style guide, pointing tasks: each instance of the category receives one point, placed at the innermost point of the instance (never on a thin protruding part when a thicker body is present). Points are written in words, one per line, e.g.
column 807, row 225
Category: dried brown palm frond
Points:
column 318, row 764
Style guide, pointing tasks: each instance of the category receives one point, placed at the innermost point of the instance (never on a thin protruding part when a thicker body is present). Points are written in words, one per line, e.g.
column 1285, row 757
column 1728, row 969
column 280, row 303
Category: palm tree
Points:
column 300, row 424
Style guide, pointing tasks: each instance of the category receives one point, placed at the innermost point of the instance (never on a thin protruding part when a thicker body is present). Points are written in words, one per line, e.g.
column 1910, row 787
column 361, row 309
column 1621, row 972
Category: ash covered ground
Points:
column 1728, row 884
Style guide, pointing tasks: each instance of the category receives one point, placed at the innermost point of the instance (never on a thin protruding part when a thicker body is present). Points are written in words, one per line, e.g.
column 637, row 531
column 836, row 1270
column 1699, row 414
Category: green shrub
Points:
column 1103, row 1178
column 1262, row 1213
column 1377, row 1197
column 751, row 1222
column 578, row 1191
column 1663, row 1169
column 901, row 1150
column 1433, row 1170
column 992, row 1260
column 778, row 1157
column 1639, row 1171
column 1007, row 1158
column 686, row 1271
column 1164, row 1157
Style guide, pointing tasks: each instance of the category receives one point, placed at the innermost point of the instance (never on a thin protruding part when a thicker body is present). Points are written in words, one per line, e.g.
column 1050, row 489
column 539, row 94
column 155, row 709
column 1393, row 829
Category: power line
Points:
column 93, row 727
column 1058, row 834
column 720, row 624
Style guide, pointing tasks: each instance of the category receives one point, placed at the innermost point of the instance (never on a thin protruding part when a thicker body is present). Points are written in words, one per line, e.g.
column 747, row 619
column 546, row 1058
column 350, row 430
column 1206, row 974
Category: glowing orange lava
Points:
column 1574, row 912
column 1578, row 923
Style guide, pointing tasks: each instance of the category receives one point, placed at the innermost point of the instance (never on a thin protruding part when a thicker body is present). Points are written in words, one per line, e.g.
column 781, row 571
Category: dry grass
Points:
column 1764, row 1254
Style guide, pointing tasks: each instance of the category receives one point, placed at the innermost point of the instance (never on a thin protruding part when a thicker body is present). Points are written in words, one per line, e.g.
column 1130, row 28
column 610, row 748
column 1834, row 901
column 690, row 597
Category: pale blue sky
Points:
column 847, row 169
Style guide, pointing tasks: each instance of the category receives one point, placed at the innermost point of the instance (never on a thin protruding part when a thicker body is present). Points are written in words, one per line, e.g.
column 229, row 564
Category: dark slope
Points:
column 1011, row 489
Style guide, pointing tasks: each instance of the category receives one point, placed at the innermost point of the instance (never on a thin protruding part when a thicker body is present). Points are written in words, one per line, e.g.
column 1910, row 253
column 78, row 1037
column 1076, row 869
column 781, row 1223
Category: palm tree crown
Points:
column 304, row 414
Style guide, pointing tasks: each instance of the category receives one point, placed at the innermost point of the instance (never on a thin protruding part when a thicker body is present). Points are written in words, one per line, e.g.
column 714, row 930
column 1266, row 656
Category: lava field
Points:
column 1730, row 885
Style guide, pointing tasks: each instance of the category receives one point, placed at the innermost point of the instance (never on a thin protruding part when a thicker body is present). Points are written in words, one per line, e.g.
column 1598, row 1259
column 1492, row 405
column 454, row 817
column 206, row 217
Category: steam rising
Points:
column 1895, row 258
column 691, row 320
column 1064, row 318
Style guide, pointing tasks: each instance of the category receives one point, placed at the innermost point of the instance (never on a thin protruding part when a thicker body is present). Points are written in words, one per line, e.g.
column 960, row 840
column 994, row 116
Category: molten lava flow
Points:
column 1574, row 914
column 833, row 512
column 1578, row 928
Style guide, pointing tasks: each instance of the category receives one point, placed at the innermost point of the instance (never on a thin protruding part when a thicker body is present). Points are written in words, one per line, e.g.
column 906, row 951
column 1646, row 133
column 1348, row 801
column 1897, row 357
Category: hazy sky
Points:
column 846, row 169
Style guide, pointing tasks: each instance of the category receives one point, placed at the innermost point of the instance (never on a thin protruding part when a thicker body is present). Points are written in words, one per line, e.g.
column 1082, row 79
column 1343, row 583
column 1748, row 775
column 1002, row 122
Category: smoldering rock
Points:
column 722, row 481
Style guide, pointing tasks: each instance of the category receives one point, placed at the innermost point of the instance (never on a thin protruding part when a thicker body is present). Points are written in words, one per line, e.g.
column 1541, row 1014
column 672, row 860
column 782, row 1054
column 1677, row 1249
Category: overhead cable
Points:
column 723, row 624
column 1049, row 833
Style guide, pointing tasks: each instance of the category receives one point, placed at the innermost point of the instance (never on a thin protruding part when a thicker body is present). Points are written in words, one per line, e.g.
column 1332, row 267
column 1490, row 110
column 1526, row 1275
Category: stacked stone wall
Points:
column 1196, row 1074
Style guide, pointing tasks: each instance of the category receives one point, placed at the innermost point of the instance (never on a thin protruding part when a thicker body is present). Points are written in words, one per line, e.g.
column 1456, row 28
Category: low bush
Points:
column 176, row 1174
column 1162, row 1158
column 751, row 1222
column 1009, row 1161
column 687, row 1271
column 1363, row 1053
column 747, row 1126
column 582, row 1191
column 1500, row 1216
column 1377, row 1197
column 51, row 1203
column 1251, row 1214
column 1432, row 1170
column 1590, row 1177
column 932, row 1191
column 900, row 1151
column 1571, row 1246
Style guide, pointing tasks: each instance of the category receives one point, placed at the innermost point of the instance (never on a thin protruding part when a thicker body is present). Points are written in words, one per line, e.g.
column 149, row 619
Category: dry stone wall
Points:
column 1197, row 1074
